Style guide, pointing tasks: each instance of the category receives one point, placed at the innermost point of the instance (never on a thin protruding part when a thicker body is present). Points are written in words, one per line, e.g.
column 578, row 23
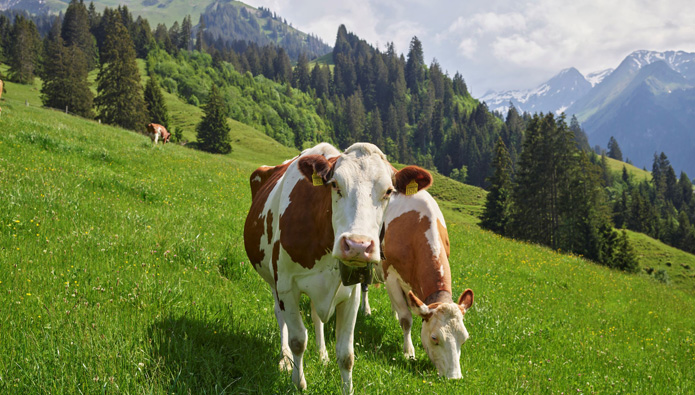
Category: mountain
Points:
column 233, row 20
column 225, row 19
column 647, row 105
column 555, row 95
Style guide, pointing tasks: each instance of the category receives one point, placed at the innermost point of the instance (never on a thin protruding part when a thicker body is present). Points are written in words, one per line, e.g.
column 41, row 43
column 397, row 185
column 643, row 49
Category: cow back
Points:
column 416, row 245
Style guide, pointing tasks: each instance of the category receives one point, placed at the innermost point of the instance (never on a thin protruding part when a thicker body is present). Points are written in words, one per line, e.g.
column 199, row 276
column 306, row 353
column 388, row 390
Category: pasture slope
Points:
column 122, row 270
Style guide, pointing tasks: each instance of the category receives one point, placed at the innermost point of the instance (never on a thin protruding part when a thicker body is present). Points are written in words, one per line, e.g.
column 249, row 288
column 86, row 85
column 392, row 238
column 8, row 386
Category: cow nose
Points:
column 354, row 249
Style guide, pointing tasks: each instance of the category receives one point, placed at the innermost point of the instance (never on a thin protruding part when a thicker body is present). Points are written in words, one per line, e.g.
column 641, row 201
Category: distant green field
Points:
column 122, row 270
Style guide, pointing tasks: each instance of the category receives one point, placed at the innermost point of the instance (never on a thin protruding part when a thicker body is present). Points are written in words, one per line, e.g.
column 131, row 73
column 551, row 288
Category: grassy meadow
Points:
column 122, row 270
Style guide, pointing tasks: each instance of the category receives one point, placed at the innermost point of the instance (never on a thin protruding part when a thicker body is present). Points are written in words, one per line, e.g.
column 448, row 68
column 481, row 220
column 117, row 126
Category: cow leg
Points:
column 297, row 334
column 405, row 319
column 320, row 340
column 286, row 360
column 345, row 317
column 365, row 300
column 156, row 138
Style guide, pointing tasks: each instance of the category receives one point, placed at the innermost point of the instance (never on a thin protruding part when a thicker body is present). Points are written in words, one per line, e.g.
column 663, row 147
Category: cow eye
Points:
column 337, row 189
column 434, row 339
column 388, row 193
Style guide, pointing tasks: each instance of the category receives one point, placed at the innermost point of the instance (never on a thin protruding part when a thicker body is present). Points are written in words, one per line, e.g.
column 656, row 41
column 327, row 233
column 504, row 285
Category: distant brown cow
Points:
column 1, row 88
column 156, row 131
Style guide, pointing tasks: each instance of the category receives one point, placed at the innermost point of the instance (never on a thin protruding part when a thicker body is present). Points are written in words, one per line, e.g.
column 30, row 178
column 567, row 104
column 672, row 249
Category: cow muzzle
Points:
column 357, row 251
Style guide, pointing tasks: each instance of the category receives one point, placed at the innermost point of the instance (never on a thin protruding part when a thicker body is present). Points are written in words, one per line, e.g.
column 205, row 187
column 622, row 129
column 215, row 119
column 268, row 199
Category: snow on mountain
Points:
column 596, row 77
column 555, row 95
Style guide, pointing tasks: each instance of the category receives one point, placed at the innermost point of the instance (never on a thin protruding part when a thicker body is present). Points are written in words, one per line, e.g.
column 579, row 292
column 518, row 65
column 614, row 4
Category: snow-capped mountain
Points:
column 596, row 77
column 647, row 104
column 555, row 95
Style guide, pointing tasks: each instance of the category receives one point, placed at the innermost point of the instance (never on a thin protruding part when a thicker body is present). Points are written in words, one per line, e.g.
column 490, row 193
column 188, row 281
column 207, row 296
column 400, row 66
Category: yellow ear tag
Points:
column 411, row 188
column 316, row 180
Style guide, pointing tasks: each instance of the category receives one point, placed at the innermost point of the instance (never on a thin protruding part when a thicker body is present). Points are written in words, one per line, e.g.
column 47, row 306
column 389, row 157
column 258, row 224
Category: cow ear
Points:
column 466, row 300
column 408, row 174
column 315, row 165
column 420, row 308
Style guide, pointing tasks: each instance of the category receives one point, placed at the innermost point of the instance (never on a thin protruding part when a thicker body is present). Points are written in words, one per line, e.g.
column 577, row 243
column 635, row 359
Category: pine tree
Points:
column 614, row 149
column 301, row 78
column 65, row 85
column 156, row 106
column 415, row 67
column 213, row 129
column 120, row 99
column 24, row 54
column 496, row 213
column 76, row 31
column 625, row 258
column 186, row 32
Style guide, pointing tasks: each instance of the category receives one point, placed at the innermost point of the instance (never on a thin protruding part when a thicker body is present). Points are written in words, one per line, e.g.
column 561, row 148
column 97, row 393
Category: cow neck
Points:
column 306, row 228
column 441, row 296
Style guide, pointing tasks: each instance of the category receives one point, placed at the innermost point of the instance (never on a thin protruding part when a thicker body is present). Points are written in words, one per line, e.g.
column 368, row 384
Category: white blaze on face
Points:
column 362, row 181
column 442, row 336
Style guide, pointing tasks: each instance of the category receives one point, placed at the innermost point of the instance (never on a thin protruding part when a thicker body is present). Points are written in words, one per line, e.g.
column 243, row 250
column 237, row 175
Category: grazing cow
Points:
column 417, row 275
column 298, row 236
column 156, row 131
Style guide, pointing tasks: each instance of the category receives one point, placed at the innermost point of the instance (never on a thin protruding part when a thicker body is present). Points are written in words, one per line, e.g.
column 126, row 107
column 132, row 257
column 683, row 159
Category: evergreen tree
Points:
column 76, row 31
column 65, row 84
column 24, row 54
column 614, row 149
column 415, row 67
column 542, row 175
column 120, row 99
column 156, row 106
column 301, row 78
column 213, row 129
column 186, row 33
column 580, row 137
column 625, row 258
column 496, row 213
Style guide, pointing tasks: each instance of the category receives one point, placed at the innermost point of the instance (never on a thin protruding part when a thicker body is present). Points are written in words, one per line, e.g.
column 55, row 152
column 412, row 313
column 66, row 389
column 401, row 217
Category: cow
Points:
column 416, row 272
column 1, row 88
column 155, row 131
column 311, row 217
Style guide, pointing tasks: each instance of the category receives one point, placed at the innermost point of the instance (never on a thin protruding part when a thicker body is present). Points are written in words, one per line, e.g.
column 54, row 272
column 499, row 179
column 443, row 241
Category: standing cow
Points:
column 157, row 131
column 306, row 215
column 418, row 278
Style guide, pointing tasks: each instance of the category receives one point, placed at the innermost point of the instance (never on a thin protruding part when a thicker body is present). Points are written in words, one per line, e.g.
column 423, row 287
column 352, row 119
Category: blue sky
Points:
column 502, row 45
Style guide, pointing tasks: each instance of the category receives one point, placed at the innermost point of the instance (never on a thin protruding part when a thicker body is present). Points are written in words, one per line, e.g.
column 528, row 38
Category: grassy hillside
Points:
column 636, row 173
column 122, row 269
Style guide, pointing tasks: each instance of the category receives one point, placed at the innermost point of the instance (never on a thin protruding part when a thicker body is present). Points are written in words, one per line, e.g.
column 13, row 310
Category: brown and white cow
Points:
column 417, row 275
column 308, row 214
column 157, row 131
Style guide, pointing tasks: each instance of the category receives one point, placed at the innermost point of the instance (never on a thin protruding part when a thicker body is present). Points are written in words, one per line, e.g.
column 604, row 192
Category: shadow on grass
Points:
column 195, row 356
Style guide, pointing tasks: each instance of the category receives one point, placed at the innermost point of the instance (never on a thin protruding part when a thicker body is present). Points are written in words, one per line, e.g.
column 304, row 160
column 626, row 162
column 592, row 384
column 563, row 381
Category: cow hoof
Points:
column 285, row 364
column 323, row 357
column 367, row 311
column 409, row 355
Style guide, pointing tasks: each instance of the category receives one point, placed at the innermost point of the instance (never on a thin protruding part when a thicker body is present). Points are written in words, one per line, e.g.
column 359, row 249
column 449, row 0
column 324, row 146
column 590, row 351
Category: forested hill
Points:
column 235, row 21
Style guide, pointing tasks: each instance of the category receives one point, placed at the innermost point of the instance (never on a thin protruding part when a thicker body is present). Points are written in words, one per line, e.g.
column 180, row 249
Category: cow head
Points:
column 443, row 332
column 362, row 181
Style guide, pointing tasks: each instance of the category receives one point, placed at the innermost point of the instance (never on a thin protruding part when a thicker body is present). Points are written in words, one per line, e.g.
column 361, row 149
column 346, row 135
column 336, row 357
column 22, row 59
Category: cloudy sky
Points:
column 504, row 44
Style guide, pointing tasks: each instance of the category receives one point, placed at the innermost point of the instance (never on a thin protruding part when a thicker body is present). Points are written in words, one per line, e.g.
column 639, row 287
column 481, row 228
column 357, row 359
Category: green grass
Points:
column 654, row 254
column 637, row 174
column 122, row 270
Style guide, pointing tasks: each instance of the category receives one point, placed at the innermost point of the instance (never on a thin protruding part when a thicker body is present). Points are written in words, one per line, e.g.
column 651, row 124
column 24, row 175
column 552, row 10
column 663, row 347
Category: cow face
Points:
column 361, row 182
column 443, row 332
